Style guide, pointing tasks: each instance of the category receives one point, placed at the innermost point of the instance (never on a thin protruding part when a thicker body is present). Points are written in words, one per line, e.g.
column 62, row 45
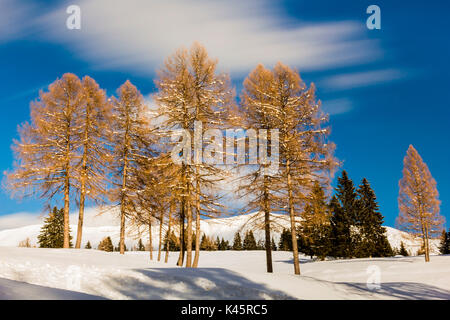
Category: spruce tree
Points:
column 106, row 245
column 249, row 241
column 285, row 243
column 171, row 242
column 274, row 246
column 372, row 241
column 237, row 242
column 344, row 211
column 52, row 232
column 444, row 247
column 260, row 245
column 223, row 245
column 403, row 251
column 140, row 246
column 314, row 231
column 88, row 245
column 204, row 242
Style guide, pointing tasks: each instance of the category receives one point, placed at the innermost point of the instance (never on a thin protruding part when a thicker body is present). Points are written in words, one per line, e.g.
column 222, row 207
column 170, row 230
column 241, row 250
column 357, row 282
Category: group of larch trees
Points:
column 81, row 146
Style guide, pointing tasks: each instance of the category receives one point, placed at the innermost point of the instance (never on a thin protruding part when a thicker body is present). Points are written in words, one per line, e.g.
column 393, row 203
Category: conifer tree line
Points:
column 347, row 226
column 82, row 146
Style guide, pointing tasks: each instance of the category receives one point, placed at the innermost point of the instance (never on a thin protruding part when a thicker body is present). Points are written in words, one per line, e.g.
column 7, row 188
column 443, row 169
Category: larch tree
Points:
column 94, row 148
column 418, row 200
column 306, row 155
column 257, row 185
column 190, row 94
column 279, row 99
column 132, row 139
column 46, row 152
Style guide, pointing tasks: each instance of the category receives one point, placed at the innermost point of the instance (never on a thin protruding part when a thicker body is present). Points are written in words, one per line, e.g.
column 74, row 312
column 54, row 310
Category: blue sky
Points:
column 384, row 89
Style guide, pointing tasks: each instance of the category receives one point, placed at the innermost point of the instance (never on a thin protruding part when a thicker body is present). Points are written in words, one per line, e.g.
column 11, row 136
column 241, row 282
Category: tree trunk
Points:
column 66, row 243
column 150, row 243
column 122, row 231
column 161, row 220
column 168, row 234
column 427, row 245
column 292, row 218
column 189, row 236
column 80, row 218
column 267, row 230
column 197, row 227
column 122, row 208
column 83, row 182
column 181, row 256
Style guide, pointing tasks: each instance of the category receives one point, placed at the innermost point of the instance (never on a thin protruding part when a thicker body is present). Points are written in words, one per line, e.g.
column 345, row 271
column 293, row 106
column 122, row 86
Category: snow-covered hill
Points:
column 220, row 227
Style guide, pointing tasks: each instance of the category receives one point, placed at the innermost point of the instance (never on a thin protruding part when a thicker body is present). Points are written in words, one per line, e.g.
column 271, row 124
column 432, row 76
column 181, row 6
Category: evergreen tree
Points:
column 52, row 232
column 207, row 243
column 171, row 242
column 106, row 245
column 217, row 243
column 372, row 235
column 118, row 247
column 403, row 251
column 285, row 243
column 274, row 246
column 344, row 208
column 140, row 246
column 204, row 243
column 237, row 242
column 314, row 230
column 249, row 241
column 223, row 245
column 88, row 245
column 444, row 247
column 260, row 245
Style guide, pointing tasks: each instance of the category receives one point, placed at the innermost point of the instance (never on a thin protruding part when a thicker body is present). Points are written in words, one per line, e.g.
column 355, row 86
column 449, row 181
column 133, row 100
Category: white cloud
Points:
column 138, row 35
column 92, row 218
column 362, row 79
column 337, row 106
column 14, row 19
column 19, row 219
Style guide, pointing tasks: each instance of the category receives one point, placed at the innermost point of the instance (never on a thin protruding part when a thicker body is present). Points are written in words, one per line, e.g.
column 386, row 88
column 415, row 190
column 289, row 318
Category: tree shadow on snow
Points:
column 401, row 290
column 17, row 290
column 301, row 260
column 192, row 284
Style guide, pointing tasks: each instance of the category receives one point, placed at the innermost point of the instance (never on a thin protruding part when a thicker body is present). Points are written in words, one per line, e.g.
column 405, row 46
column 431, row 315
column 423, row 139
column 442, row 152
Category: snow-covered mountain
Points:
column 220, row 227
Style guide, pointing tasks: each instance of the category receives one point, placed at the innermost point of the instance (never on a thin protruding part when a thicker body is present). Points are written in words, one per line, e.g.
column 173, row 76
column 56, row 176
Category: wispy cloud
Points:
column 14, row 19
column 337, row 106
column 138, row 35
column 362, row 79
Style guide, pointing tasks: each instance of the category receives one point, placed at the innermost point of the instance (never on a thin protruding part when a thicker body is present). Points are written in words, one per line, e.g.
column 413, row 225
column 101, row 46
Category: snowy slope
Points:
column 223, row 275
column 220, row 227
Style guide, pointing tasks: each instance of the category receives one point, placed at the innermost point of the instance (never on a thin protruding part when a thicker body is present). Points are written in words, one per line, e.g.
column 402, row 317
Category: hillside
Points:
column 220, row 227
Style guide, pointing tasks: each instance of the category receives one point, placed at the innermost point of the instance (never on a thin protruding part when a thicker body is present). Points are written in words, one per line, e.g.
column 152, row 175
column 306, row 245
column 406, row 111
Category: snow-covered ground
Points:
column 222, row 275
column 33, row 273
